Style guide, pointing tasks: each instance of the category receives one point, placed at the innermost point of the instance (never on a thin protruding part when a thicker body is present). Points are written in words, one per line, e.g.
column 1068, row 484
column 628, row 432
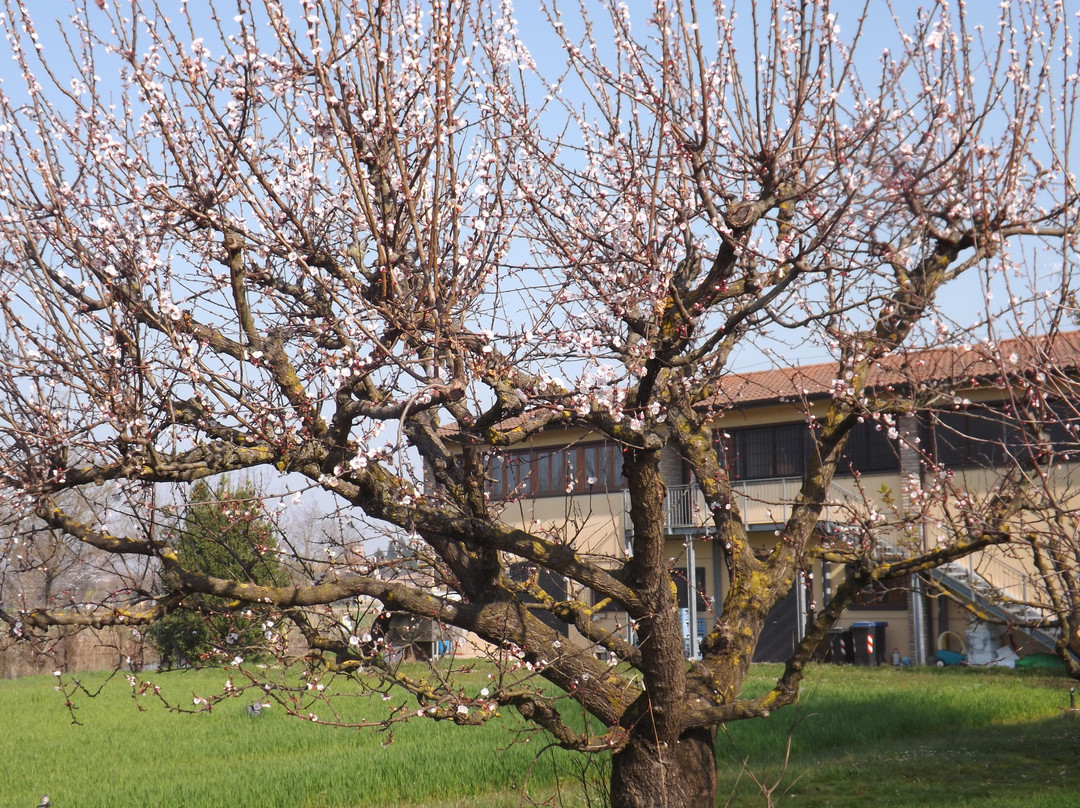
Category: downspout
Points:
column 692, row 594
column 911, row 468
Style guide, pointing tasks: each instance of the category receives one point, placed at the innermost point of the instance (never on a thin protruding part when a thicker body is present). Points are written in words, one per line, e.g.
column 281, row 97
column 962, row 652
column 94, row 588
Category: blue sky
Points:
column 963, row 302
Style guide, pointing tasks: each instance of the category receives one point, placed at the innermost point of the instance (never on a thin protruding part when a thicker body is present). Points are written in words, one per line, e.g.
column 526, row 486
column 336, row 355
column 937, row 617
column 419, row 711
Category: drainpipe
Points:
column 826, row 584
column 800, row 608
column 918, row 619
column 691, row 594
column 911, row 468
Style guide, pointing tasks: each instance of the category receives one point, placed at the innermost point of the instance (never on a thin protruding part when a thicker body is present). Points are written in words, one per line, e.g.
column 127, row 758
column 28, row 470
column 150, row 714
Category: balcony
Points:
column 759, row 501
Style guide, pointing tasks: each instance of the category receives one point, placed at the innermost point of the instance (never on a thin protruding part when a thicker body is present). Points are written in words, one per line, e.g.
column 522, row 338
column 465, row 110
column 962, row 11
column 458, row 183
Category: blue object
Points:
column 950, row 658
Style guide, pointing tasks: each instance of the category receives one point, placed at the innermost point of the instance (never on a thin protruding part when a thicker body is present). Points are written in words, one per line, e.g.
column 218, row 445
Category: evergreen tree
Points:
column 222, row 533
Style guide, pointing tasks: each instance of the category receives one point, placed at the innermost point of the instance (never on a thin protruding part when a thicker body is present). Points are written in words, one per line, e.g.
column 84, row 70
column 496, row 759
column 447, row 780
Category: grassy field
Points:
column 993, row 739
column 899, row 737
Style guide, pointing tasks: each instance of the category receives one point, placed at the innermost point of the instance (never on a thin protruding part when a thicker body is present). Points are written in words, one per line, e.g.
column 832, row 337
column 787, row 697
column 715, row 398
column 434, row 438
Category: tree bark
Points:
column 648, row 774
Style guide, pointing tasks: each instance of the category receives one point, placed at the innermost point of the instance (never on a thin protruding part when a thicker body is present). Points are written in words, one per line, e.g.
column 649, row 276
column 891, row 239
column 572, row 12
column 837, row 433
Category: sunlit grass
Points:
column 902, row 737
column 119, row 755
column 882, row 737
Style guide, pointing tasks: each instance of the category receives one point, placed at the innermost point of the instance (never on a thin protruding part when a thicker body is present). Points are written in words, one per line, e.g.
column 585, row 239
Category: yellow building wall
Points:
column 596, row 523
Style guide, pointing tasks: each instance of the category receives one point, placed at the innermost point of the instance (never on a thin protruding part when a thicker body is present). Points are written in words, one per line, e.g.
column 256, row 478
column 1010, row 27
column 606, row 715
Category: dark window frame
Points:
column 881, row 597
column 682, row 599
column 766, row 452
column 782, row 450
column 1063, row 428
column 976, row 436
column 870, row 450
column 556, row 471
column 553, row 584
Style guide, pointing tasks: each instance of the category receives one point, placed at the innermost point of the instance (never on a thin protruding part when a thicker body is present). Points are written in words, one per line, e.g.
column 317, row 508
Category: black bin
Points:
column 842, row 646
column 868, row 640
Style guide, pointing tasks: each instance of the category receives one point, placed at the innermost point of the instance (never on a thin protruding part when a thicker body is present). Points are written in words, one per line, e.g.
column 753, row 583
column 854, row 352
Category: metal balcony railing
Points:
column 684, row 509
column 759, row 501
column 1003, row 591
column 769, row 501
column 988, row 582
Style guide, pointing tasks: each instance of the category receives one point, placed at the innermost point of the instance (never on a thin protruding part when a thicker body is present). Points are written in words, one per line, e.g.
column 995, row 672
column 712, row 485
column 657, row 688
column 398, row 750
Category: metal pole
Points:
column 917, row 620
column 691, row 594
column 800, row 594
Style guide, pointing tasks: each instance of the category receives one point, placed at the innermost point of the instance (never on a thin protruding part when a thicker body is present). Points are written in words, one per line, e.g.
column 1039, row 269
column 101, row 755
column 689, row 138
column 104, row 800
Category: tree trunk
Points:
column 645, row 775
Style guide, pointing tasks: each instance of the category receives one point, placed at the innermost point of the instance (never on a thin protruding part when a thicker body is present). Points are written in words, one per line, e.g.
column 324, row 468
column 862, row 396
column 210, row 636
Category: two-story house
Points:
column 962, row 427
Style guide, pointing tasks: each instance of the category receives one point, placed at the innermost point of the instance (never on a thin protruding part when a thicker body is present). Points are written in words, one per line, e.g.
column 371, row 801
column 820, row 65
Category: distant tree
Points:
column 49, row 566
column 223, row 533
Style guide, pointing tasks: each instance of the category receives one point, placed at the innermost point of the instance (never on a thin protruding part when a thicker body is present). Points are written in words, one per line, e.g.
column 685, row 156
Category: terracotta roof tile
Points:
column 958, row 365
column 965, row 365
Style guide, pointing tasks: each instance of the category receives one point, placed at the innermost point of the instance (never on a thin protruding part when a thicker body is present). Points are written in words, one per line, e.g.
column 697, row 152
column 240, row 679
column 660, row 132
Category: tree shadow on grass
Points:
column 971, row 740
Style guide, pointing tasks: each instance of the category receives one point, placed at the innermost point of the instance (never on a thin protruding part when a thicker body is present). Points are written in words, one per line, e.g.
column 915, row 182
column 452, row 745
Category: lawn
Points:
column 885, row 737
column 902, row 737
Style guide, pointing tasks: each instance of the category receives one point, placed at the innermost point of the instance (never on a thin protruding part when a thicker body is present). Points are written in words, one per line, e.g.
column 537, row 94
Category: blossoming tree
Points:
column 364, row 245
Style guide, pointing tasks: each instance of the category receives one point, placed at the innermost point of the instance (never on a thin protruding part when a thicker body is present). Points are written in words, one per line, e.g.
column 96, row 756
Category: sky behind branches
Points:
column 980, row 304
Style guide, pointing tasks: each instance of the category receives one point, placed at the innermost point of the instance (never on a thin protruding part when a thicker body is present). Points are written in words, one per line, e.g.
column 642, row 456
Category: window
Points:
column 977, row 436
column 554, row 586
column 1063, row 430
column 681, row 595
column 508, row 475
column 553, row 471
column 609, row 604
column 983, row 437
column 869, row 449
column 880, row 596
column 601, row 467
column 763, row 452
column 592, row 467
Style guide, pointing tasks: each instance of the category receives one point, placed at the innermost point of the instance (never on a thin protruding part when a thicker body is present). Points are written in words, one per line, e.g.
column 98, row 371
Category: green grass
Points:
column 121, row 756
column 885, row 737
column 902, row 737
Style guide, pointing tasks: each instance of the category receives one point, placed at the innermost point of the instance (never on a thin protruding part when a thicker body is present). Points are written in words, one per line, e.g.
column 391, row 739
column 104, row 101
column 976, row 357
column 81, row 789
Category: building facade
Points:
column 964, row 429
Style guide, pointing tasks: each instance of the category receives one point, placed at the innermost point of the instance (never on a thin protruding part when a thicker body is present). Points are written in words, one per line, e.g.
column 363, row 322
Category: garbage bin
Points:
column 868, row 640
column 843, row 648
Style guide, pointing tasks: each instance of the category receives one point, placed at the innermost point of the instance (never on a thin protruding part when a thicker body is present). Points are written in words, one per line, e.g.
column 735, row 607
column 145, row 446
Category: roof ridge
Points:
column 968, row 362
